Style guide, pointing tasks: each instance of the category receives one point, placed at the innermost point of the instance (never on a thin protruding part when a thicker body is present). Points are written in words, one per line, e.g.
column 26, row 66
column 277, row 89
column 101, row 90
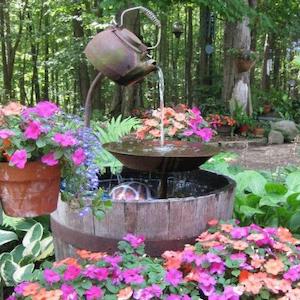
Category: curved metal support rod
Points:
column 88, row 101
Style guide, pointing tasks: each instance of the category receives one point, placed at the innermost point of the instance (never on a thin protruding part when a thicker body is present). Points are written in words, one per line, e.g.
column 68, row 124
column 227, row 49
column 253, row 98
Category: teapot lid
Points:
column 131, row 39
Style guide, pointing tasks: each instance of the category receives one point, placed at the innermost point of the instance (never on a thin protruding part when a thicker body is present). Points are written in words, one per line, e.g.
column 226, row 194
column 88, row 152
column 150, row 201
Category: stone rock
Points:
column 275, row 137
column 287, row 128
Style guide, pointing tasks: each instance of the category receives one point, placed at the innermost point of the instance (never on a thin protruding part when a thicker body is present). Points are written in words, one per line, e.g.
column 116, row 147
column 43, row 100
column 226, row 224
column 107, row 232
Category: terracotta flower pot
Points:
column 29, row 192
column 224, row 130
column 243, row 65
column 259, row 132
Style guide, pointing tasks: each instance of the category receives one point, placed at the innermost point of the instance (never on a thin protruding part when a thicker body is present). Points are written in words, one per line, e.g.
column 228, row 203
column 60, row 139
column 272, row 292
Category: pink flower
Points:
column 174, row 277
column 94, row 293
column 94, row 272
column 206, row 283
column 239, row 232
column 133, row 276
column 33, row 130
column 50, row 276
column 49, row 159
column 78, row 157
column 20, row 287
column 46, row 109
column 6, row 133
column 71, row 273
column 134, row 241
column 19, row 158
column 68, row 292
column 173, row 297
column 205, row 133
column 64, row 139
column 196, row 111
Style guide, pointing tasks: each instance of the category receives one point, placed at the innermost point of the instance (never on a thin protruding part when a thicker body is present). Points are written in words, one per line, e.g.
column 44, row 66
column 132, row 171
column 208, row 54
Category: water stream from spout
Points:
column 161, row 86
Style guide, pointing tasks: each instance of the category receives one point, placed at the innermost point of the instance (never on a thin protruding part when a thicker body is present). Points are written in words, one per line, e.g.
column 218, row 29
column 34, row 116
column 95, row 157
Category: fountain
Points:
column 184, row 197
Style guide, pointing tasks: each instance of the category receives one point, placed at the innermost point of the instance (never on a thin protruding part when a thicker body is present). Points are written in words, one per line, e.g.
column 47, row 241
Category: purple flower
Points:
column 113, row 260
column 6, row 133
column 173, row 297
column 78, row 157
column 173, row 277
column 94, row 272
column 45, row 109
column 94, row 293
column 133, row 276
column 148, row 293
column 11, row 298
column 69, row 293
column 50, row 276
column 134, row 241
column 205, row 133
column 116, row 275
column 206, row 283
column 71, row 273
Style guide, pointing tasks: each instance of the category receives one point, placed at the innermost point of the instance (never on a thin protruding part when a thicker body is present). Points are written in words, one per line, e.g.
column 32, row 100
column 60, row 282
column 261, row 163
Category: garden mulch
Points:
column 259, row 155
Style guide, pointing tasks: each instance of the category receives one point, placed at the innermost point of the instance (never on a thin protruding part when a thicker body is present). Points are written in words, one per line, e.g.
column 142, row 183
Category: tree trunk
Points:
column 82, row 68
column 277, row 62
column 236, row 85
column 189, row 57
column 8, row 48
column 46, row 50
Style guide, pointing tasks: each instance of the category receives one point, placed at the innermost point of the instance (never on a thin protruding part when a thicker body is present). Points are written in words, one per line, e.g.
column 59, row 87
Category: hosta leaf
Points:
column 23, row 273
column 34, row 234
column 7, row 236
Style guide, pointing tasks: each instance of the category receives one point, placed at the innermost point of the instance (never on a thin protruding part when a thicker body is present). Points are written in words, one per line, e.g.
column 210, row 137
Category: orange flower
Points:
column 274, row 266
column 244, row 275
column 192, row 276
column 226, row 227
column 257, row 261
column 67, row 261
column 125, row 293
column 252, row 285
column 54, row 295
column 84, row 254
column 255, row 237
column 155, row 132
column 41, row 295
column 180, row 117
column 239, row 245
column 151, row 122
column 281, row 247
column 12, row 109
column 173, row 259
column 169, row 112
column 31, row 289
column 285, row 236
column 172, row 131
column 213, row 222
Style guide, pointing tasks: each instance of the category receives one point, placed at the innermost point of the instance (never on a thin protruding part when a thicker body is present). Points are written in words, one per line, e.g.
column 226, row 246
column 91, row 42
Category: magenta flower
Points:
column 196, row 111
column 239, row 232
column 46, row 109
column 78, row 157
column 64, row 139
column 71, row 273
column 116, row 275
column 206, row 283
column 174, row 277
column 11, row 298
column 150, row 292
column 293, row 273
column 19, row 289
column 205, row 133
column 133, row 276
column 6, row 133
column 173, row 297
column 33, row 130
column 50, row 276
column 94, row 293
column 19, row 158
column 49, row 159
column 113, row 260
column 68, row 292
column 134, row 241
column 94, row 272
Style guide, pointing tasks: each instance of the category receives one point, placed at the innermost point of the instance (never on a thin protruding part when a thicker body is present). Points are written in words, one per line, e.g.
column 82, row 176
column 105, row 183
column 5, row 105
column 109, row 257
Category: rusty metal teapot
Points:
column 119, row 54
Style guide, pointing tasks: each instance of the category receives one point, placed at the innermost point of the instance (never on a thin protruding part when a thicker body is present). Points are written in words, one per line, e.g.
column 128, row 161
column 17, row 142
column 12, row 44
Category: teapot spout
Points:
column 138, row 73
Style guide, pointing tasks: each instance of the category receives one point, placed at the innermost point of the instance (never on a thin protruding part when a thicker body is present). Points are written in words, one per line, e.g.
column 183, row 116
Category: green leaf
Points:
column 33, row 249
column 34, row 234
column 47, row 248
column 250, row 211
column 293, row 200
column 23, row 273
column 293, row 181
column 7, row 236
column 5, row 256
column 251, row 181
column 235, row 273
column 294, row 223
column 275, row 188
column 41, row 143
column 17, row 253
column 7, row 269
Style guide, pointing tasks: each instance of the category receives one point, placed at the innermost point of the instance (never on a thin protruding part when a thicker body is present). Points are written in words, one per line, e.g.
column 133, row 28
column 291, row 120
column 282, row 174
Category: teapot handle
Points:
column 151, row 16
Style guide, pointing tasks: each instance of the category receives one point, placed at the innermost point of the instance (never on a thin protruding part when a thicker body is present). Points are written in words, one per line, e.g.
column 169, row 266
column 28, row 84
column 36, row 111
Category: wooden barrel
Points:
column 167, row 224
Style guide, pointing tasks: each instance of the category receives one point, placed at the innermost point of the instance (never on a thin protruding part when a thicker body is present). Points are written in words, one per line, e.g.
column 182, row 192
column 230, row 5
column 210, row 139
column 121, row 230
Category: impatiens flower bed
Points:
column 179, row 123
column 227, row 262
